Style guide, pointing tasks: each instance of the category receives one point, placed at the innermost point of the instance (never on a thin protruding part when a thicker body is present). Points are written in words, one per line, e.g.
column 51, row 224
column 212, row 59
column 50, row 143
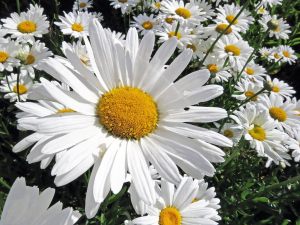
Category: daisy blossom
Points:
column 122, row 115
column 281, row 88
column 287, row 54
column 7, row 56
column 144, row 23
column 82, row 5
column 124, row 5
column 25, row 205
column 277, row 27
column 247, row 89
column 294, row 145
column 254, row 72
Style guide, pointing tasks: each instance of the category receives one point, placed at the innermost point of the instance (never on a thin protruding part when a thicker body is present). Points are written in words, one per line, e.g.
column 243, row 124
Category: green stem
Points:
column 18, row 84
column 18, row 6
column 4, row 184
column 177, row 28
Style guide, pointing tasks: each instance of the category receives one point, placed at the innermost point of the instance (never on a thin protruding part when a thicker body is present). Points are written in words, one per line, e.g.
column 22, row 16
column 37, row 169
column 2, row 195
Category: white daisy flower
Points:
column 82, row 5
column 13, row 90
column 261, row 133
column 195, row 46
column 261, row 10
column 283, row 112
column 28, row 25
column 97, row 15
column 7, row 56
column 31, row 56
column 123, row 115
column 246, row 89
column 145, row 23
column 183, row 34
column 227, row 13
column 294, row 144
column 232, row 131
column 254, row 72
column 275, row 55
column 180, row 205
column 215, row 29
column 156, row 5
column 75, row 23
column 287, row 54
column 281, row 88
column 236, row 50
column 26, row 205
column 124, row 5
column 3, row 33
column 265, row 52
column 277, row 27
column 186, row 14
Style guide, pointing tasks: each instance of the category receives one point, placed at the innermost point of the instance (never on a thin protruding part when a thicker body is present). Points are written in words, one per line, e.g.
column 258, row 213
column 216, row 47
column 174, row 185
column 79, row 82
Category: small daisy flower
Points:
column 216, row 68
column 287, row 54
column 187, row 14
column 227, row 13
column 31, row 56
column 28, row 25
column 246, row 89
column 144, row 23
column 7, row 56
column 277, row 27
column 261, row 10
column 281, row 88
column 75, row 23
column 2, row 35
column 13, row 90
column 156, row 5
column 124, row 5
column 275, row 55
column 236, row 50
column 254, row 72
column 261, row 133
column 232, row 131
column 97, row 15
column 215, row 29
column 294, row 145
column 82, row 5
column 27, row 205
column 195, row 46
column 265, row 52
column 177, row 206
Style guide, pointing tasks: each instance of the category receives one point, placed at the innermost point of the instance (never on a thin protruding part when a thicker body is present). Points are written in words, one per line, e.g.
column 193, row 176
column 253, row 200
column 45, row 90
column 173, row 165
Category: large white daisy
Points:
column 130, row 113
column 26, row 205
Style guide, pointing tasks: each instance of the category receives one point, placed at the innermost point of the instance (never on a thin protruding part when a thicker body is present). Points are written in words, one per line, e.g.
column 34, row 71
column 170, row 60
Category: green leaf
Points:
column 261, row 200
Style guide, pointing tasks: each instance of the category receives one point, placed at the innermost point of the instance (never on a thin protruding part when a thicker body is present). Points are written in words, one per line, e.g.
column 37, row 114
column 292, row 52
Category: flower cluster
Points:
column 154, row 107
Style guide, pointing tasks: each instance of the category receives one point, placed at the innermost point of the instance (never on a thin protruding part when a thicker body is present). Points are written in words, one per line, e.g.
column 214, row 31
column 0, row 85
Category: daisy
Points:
column 280, row 88
column 155, row 6
column 261, row 133
column 28, row 25
column 144, row 23
column 294, row 144
column 2, row 35
column 31, row 56
column 13, row 89
column 195, row 46
column 277, row 27
column 189, row 203
column 124, row 5
column 214, row 30
column 261, row 10
column 246, row 89
column 82, row 5
column 26, row 205
column 122, row 116
column 254, row 72
column 236, row 50
column 287, row 54
column 75, row 23
column 275, row 55
column 227, row 13
column 7, row 56
column 187, row 14
column 232, row 131
column 265, row 52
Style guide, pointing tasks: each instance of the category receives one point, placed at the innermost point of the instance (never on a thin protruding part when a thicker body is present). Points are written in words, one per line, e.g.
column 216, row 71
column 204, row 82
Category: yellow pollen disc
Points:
column 22, row 89
column 3, row 56
column 183, row 12
column 276, row 89
column 27, row 26
column 258, row 133
column 169, row 20
column 286, row 54
column 123, row 1
column 249, row 71
column 228, row 133
column 213, row 68
column 65, row 110
column 221, row 27
column 233, row 49
column 191, row 46
column 278, row 114
column 147, row 25
column 170, row 216
column 250, row 94
column 128, row 112
column 157, row 5
column 77, row 27
column 29, row 60
column 195, row 200
column 261, row 10
column 276, row 56
column 230, row 18
column 172, row 34
column 82, row 5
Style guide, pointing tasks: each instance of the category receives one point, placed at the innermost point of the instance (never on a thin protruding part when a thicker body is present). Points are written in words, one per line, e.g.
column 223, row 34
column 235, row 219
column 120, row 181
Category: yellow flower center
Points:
column 250, row 94
column 275, row 88
column 230, row 18
column 169, row 20
column 22, row 89
column 170, row 216
column 157, row 5
column 228, row 133
column 82, row 5
column 286, row 54
column 3, row 56
column 77, row 27
column 30, row 59
column 147, row 25
column 258, row 133
column 183, row 12
column 123, row 1
column 278, row 114
column 192, row 46
column 128, row 112
column 249, row 71
column 221, row 27
column 65, row 110
column 213, row 68
column 276, row 56
column 172, row 34
column 261, row 10
column 27, row 26
column 236, row 51
column 195, row 200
